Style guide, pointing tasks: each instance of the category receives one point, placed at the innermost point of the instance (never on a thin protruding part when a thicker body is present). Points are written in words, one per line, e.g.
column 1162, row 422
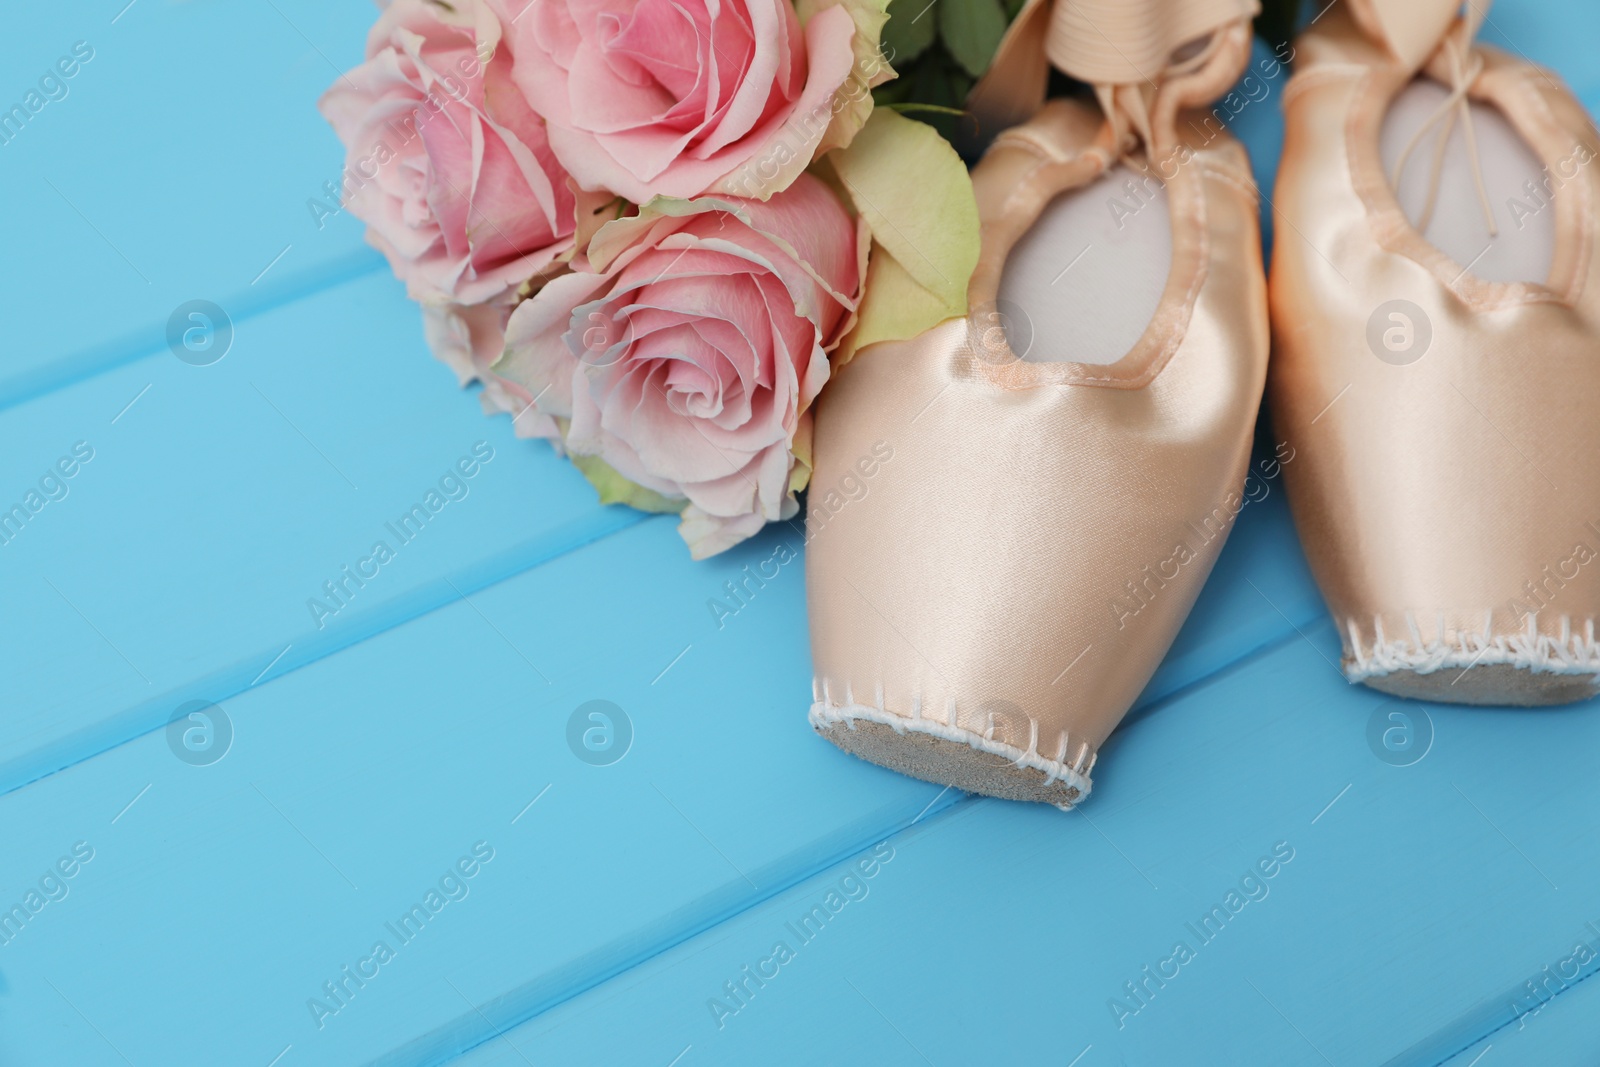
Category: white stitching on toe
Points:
column 1568, row 653
column 1033, row 741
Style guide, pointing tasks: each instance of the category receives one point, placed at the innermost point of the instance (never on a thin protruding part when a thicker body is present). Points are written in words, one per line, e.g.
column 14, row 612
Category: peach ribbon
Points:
column 1125, row 49
column 1464, row 65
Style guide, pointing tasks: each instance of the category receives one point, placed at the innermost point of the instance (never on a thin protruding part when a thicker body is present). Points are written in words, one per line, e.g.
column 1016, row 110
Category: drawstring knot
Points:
column 1465, row 65
column 1129, row 115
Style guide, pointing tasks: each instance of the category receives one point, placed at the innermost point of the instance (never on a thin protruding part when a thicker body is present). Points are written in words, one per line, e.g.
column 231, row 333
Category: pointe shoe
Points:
column 1436, row 366
column 1001, row 549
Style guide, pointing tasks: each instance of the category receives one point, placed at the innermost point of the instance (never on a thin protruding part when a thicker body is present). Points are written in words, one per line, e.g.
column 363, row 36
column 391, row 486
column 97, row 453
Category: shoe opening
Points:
column 1517, row 188
column 1082, row 285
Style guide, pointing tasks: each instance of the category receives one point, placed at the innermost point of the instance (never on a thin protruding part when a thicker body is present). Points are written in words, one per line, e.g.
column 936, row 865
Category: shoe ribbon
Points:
column 1133, row 53
column 1464, row 65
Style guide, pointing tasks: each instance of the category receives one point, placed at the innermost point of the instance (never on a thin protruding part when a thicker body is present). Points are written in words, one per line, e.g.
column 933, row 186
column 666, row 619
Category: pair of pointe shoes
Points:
column 970, row 617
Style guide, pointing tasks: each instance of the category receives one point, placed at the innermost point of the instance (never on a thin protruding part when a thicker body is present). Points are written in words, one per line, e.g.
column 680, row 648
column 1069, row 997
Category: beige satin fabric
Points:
column 1002, row 551
column 1118, row 42
column 1127, row 49
column 1447, row 491
column 1409, row 29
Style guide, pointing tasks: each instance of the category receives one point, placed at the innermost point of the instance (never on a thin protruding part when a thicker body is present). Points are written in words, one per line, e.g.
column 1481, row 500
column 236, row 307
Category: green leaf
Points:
column 896, row 307
column 971, row 30
column 932, row 109
column 914, row 193
column 936, row 87
column 912, row 26
column 940, row 80
column 892, row 92
column 615, row 489
column 1276, row 23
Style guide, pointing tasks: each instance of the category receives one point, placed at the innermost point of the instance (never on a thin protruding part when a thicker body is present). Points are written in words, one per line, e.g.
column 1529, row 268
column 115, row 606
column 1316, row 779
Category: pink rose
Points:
column 447, row 164
column 468, row 339
column 687, row 350
column 672, row 97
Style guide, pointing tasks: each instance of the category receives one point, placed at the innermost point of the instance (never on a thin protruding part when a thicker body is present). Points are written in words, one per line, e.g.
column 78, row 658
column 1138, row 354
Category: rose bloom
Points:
column 683, row 97
column 688, row 348
column 468, row 339
column 447, row 164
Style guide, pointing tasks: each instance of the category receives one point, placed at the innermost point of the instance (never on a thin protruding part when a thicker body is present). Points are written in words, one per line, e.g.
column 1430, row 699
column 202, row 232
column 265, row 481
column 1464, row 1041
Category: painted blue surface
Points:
column 999, row 934
column 431, row 715
column 1552, row 1024
column 176, row 166
column 190, row 552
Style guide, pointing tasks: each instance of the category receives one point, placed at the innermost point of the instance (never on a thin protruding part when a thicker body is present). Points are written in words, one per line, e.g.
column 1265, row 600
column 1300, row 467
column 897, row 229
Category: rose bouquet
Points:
column 652, row 229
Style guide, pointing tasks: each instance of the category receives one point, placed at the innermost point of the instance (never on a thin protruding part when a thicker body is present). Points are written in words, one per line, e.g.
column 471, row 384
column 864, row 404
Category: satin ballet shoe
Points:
column 1436, row 358
column 1012, row 514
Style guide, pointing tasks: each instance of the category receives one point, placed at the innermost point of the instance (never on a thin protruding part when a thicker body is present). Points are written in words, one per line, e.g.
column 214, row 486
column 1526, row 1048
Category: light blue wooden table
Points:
column 402, row 773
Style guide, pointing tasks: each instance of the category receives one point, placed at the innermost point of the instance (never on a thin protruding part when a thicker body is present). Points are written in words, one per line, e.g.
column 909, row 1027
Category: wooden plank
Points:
column 183, row 559
column 379, row 767
column 384, row 763
column 175, row 163
column 1000, row 931
column 1553, row 1027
